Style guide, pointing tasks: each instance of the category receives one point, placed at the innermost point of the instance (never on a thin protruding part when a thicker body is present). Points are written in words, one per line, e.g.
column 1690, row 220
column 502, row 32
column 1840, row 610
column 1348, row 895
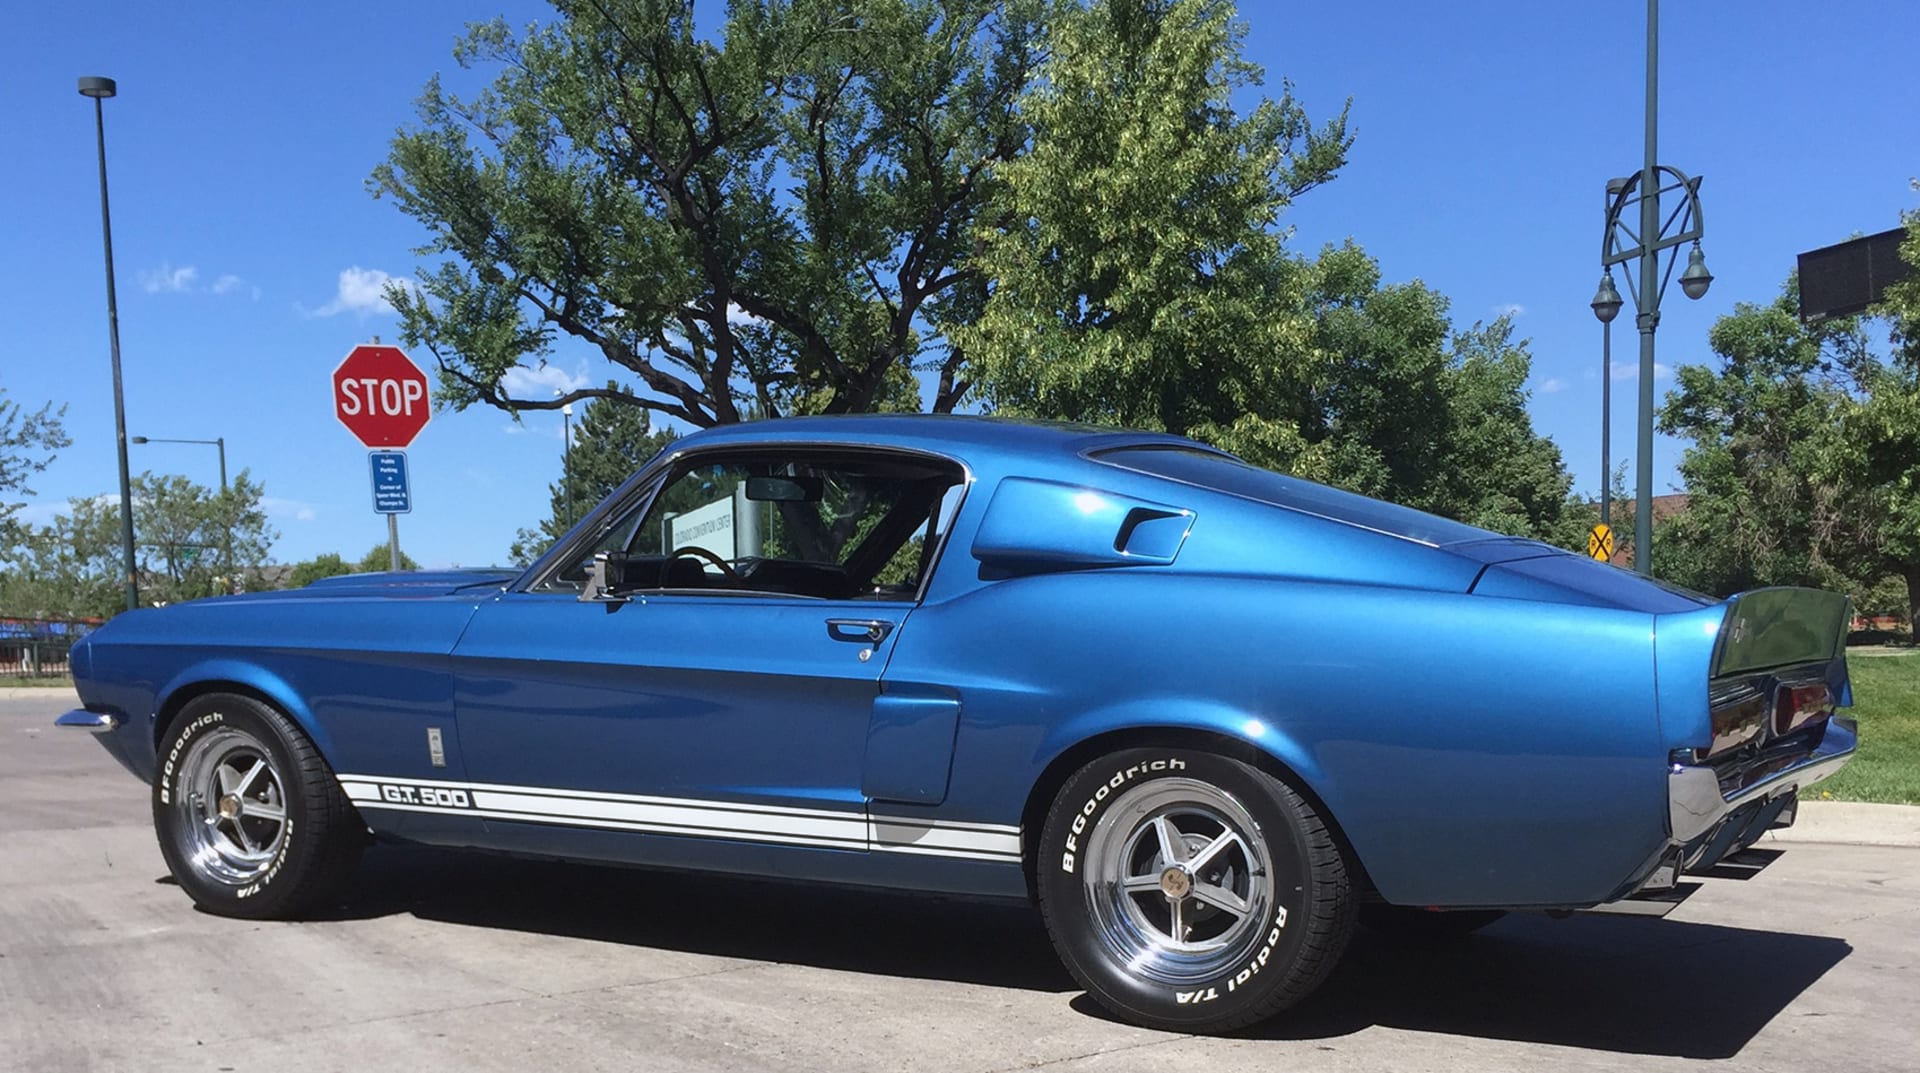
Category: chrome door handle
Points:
column 866, row 631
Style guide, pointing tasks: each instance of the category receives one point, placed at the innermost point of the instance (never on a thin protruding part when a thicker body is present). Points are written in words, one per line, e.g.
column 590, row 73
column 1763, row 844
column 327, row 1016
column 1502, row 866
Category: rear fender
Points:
column 1182, row 713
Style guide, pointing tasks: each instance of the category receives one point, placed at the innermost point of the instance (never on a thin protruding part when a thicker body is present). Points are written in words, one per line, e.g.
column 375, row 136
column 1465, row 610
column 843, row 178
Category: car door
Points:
column 727, row 691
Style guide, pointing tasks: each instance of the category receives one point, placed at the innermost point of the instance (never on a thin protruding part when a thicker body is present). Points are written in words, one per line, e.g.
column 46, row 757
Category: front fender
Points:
column 210, row 675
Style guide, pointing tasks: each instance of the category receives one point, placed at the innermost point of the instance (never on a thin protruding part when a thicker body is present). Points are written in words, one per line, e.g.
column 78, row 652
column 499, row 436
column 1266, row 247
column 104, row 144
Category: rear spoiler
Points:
column 1782, row 627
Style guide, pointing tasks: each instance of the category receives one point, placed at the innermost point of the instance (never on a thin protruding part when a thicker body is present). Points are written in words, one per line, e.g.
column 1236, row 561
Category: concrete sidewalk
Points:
column 1852, row 823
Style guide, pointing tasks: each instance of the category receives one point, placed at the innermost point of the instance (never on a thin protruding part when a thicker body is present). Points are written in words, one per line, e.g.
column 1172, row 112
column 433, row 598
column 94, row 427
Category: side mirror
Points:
column 607, row 578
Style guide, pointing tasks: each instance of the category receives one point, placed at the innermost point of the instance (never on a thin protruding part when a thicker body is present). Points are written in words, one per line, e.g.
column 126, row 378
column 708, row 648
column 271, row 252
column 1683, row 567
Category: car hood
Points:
column 405, row 583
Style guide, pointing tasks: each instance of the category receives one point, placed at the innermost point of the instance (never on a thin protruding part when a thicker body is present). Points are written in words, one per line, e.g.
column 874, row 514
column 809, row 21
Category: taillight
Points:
column 1737, row 723
column 1796, row 706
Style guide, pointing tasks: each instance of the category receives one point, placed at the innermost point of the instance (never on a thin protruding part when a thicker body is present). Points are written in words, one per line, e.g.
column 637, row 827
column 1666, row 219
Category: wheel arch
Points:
column 1072, row 757
column 244, row 679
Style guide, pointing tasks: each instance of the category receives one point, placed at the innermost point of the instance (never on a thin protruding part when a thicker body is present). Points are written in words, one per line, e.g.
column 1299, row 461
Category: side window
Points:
column 836, row 526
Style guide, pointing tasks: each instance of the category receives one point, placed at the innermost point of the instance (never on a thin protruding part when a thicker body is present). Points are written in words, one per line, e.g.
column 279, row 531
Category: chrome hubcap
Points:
column 1180, row 884
column 232, row 807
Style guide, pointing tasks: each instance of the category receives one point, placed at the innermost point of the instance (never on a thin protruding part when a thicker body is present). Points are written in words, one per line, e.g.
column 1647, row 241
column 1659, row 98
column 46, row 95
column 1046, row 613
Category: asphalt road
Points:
column 443, row 961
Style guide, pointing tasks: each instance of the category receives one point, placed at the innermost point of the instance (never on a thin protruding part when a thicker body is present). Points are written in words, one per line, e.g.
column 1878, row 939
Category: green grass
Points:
column 1886, row 699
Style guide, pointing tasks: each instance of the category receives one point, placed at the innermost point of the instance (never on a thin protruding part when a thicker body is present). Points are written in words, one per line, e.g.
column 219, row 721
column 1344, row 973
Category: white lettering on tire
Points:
column 173, row 754
column 1100, row 793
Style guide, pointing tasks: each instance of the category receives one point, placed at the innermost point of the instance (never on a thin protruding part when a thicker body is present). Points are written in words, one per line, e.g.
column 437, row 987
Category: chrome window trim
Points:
column 1101, row 455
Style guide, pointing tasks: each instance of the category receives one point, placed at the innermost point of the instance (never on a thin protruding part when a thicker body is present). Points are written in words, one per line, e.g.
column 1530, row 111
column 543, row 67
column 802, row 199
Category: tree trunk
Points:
column 1912, row 573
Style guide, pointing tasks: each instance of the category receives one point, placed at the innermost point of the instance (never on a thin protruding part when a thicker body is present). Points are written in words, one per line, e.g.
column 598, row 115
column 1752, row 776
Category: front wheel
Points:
column 251, row 821
column 1189, row 891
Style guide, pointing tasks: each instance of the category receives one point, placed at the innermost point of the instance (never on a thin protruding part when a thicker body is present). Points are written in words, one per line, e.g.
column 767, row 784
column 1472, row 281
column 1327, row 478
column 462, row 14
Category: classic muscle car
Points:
column 1204, row 715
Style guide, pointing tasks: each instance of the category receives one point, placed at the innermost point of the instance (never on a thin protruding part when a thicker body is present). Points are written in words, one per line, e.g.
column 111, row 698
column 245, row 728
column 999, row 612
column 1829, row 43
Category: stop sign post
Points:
column 381, row 396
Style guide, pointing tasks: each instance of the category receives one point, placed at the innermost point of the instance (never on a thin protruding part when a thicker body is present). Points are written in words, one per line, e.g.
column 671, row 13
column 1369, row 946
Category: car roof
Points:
column 967, row 433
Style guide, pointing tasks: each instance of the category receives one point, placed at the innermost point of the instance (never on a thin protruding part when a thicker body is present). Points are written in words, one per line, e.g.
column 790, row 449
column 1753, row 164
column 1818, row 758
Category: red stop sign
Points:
column 381, row 396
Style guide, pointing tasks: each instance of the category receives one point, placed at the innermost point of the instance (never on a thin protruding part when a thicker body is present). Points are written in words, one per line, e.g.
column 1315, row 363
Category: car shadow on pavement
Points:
column 992, row 944
column 1626, row 984
column 1613, row 983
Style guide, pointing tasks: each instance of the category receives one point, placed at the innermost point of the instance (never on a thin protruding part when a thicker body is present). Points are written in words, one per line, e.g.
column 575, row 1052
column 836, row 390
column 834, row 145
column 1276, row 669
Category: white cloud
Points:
column 362, row 292
column 297, row 510
column 1630, row 370
column 1510, row 309
column 1552, row 385
column 186, row 280
column 541, row 382
column 167, row 279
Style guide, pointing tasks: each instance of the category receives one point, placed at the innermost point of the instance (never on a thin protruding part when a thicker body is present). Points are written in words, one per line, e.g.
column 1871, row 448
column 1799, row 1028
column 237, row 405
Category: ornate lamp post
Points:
column 1627, row 244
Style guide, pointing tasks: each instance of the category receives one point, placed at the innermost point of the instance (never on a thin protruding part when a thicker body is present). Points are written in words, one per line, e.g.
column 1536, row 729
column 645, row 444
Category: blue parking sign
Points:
column 391, row 492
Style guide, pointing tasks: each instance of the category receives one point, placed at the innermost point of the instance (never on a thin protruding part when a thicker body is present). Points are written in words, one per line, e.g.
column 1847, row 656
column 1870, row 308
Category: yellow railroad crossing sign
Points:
column 1600, row 542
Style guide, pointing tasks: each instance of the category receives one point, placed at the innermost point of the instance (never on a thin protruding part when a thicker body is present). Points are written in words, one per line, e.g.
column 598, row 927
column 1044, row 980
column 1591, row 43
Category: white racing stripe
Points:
column 834, row 828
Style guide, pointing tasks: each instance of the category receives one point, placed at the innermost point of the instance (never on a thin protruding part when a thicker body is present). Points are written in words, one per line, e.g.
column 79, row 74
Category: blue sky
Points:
column 249, row 252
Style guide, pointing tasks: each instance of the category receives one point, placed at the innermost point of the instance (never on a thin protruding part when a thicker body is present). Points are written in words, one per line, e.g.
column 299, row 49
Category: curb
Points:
column 39, row 693
column 1852, row 823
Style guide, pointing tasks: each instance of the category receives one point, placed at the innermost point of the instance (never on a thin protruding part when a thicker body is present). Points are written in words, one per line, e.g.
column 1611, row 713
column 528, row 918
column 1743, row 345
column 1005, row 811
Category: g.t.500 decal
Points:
column 846, row 828
column 436, row 796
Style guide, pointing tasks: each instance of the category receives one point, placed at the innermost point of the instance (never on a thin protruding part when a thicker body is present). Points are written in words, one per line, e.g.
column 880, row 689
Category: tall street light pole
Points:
column 100, row 89
column 1623, row 244
column 1649, row 304
column 566, row 459
column 219, row 442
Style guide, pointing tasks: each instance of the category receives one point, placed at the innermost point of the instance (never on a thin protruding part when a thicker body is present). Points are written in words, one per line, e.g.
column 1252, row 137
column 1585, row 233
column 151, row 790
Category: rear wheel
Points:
column 250, row 819
column 1189, row 891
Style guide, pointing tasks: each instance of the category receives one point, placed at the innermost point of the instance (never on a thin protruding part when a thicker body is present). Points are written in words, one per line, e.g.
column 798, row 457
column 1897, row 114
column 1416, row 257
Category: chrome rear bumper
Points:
column 1695, row 802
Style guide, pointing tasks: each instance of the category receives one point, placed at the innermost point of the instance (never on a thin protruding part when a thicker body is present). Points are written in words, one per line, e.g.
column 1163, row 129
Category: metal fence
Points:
column 38, row 647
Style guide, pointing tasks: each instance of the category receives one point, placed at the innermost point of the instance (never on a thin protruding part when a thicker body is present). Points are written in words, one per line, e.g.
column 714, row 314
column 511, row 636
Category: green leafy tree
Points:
column 1882, row 436
column 611, row 442
column 777, row 219
column 324, row 565
column 69, row 568
column 1773, row 498
column 1137, row 276
column 1408, row 408
column 379, row 558
column 191, row 542
column 28, row 440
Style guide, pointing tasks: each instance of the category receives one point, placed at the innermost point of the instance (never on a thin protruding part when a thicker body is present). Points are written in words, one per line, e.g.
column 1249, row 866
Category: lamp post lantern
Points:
column 1606, row 306
column 1626, row 244
column 100, row 89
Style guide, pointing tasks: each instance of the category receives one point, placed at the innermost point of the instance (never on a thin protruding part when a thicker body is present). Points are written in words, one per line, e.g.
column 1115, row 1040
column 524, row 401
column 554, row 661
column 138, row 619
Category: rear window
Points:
column 1224, row 473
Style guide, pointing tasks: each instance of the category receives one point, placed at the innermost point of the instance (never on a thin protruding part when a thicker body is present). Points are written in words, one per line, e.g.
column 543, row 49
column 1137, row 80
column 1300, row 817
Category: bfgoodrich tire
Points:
column 251, row 821
column 1189, row 891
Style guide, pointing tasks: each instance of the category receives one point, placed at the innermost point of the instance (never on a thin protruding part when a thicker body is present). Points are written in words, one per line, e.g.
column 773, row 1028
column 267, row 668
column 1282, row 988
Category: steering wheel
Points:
column 694, row 551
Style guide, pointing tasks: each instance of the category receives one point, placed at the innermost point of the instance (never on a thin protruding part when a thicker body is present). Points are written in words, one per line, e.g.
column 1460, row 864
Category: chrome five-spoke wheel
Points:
column 1176, row 882
column 234, row 810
